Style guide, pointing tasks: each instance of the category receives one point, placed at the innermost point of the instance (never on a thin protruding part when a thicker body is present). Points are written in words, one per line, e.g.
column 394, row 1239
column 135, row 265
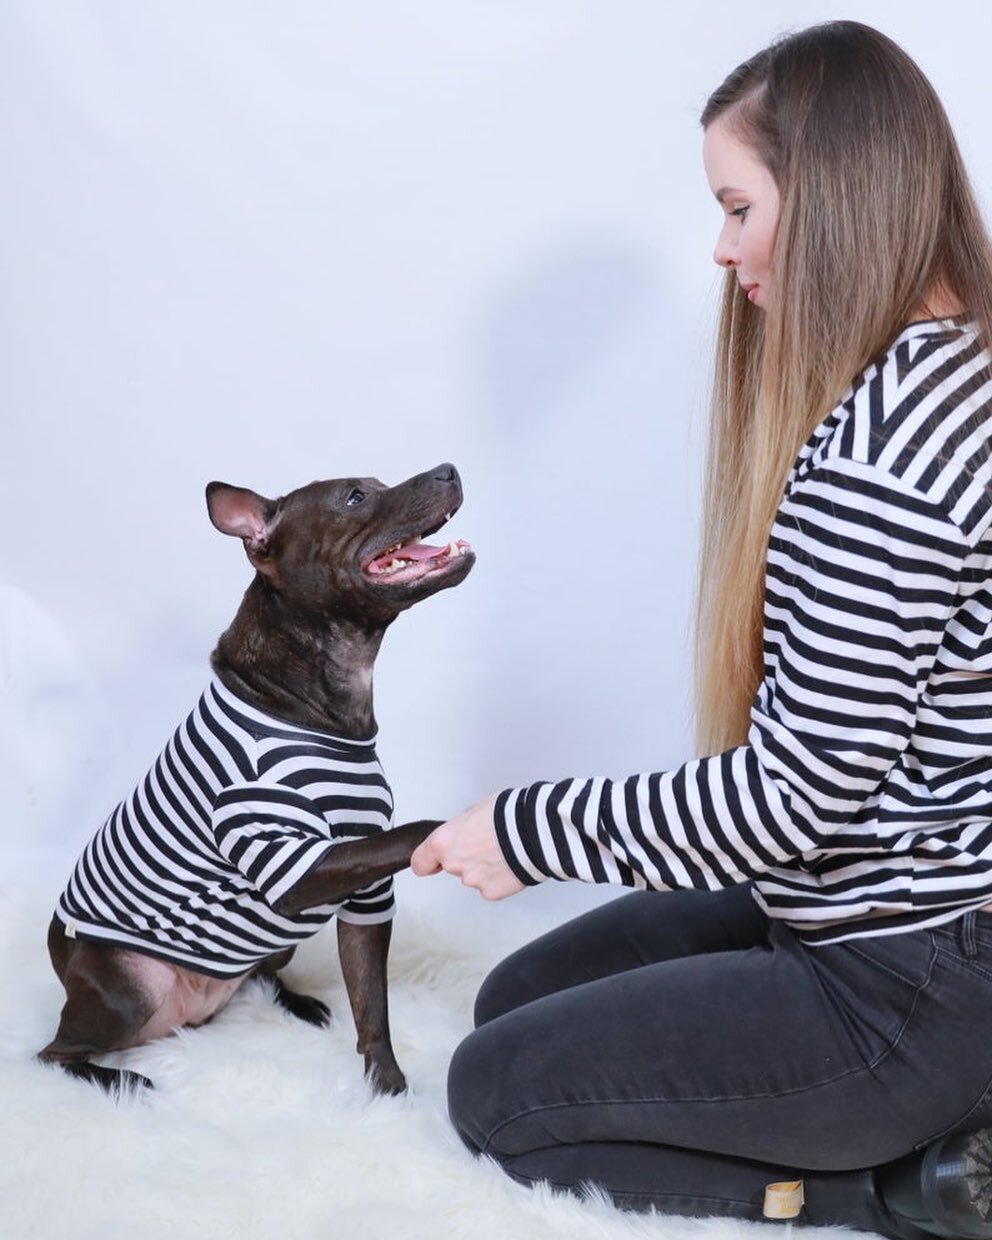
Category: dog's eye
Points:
column 356, row 497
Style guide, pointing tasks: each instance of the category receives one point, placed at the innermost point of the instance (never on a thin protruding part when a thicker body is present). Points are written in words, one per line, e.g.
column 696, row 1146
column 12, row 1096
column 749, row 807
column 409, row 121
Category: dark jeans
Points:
column 679, row 1050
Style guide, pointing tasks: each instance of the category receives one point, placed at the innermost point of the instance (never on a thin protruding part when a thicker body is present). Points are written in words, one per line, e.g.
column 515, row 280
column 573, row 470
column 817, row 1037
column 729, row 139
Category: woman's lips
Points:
column 750, row 290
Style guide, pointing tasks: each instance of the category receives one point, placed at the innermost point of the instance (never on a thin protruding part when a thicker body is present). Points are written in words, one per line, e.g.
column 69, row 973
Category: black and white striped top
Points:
column 236, row 810
column 862, row 800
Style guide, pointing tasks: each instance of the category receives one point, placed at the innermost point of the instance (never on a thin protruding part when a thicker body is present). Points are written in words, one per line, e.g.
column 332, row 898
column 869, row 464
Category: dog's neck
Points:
column 314, row 674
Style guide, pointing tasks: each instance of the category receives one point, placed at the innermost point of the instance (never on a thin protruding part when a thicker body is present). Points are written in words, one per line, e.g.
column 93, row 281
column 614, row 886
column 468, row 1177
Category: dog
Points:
column 267, row 813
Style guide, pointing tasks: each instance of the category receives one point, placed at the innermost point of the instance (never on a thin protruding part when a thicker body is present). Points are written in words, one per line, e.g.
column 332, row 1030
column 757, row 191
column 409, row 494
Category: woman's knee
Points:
column 589, row 946
column 503, row 1072
column 473, row 1085
column 532, row 972
column 499, row 993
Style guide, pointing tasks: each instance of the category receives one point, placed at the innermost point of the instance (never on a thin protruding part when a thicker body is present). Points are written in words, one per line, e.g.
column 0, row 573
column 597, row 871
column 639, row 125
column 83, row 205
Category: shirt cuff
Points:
column 516, row 835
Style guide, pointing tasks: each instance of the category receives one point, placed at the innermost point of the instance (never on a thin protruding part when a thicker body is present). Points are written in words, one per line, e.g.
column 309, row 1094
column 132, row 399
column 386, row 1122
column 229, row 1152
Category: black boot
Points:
column 943, row 1192
column 854, row 1199
column 946, row 1189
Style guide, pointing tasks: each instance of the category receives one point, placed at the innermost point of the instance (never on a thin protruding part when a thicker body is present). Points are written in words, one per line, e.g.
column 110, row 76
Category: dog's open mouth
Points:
column 411, row 561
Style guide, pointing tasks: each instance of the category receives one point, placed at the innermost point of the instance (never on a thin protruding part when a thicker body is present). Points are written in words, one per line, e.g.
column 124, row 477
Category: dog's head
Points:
column 351, row 547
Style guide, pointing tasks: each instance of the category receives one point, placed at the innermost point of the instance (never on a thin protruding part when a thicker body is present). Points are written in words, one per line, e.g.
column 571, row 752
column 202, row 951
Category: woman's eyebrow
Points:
column 725, row 191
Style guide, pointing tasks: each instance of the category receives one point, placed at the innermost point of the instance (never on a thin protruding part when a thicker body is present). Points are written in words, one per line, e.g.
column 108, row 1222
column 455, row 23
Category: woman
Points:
column 813, row 988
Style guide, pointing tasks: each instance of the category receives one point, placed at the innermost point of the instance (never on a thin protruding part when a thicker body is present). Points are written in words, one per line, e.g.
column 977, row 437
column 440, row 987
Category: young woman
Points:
column 810, row 994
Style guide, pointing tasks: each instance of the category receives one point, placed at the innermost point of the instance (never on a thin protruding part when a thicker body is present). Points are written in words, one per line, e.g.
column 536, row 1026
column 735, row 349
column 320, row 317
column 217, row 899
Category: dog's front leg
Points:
column 354, row 865
column 349, row 867
column 363, row 951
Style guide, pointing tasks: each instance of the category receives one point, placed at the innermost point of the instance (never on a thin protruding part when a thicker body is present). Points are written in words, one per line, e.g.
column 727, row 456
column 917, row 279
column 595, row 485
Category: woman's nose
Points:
column 725, row 253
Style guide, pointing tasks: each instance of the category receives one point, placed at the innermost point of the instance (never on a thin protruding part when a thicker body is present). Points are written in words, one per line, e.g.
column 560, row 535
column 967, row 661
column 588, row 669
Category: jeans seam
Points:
column 931, row 965
column 619, row 1102
column 967, row 964
column 877, row 964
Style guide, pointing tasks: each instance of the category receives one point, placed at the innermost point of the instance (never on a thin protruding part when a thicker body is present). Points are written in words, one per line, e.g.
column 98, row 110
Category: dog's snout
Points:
column 445, row 473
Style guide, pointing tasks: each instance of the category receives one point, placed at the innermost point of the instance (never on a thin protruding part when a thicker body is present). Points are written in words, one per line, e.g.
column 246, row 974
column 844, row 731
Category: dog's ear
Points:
column 243, row 514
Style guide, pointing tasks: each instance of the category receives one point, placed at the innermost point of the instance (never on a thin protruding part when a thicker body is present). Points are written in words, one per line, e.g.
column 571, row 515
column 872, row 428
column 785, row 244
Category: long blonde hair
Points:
column 876, row 215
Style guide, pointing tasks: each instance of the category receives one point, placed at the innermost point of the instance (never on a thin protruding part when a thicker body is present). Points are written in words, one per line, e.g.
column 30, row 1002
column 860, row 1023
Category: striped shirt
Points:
column 238, row 807
column 861, row 802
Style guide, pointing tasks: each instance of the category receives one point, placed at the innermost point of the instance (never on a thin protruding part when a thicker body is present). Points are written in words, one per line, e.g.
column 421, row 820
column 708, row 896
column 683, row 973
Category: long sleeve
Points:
column 863, row 573
column 274, row 835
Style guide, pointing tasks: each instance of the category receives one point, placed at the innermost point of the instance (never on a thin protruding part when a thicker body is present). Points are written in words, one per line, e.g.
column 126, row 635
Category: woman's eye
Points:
column 356, row 497
column 741, row 213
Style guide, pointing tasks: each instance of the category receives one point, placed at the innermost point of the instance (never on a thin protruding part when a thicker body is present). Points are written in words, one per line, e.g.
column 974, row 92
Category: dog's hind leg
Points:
column 104, row 1011
column 304, row 1007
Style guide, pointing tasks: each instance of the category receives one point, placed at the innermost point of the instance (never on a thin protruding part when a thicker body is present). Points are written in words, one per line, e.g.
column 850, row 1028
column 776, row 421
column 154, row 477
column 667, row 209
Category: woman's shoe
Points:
column 946, row 1189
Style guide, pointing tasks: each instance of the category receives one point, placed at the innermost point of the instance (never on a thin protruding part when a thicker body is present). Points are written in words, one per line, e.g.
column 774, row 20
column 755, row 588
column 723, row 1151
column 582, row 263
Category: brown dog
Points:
column 267, row 812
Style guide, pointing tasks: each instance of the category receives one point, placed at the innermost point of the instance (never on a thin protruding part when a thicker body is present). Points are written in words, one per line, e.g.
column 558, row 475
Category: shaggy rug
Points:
column 260, row 1127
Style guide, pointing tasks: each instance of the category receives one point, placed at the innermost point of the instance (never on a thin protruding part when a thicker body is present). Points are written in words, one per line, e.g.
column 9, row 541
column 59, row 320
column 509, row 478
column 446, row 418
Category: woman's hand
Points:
column 467, row 848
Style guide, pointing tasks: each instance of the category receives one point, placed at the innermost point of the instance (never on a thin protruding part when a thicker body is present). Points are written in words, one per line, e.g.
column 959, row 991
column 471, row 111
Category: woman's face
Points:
column 747, row 192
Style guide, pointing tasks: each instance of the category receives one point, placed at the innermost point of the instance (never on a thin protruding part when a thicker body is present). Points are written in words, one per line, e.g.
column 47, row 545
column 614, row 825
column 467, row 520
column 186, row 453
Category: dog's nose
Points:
column 445, row 473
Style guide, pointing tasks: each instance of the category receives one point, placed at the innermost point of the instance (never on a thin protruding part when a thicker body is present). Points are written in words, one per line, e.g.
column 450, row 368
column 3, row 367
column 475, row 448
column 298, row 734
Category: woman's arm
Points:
column 862, row 578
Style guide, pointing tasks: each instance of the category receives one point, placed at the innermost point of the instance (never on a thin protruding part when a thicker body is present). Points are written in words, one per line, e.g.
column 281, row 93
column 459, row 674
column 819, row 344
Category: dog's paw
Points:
column 313, row 1011
column 304, row 1007
column 386, row 1079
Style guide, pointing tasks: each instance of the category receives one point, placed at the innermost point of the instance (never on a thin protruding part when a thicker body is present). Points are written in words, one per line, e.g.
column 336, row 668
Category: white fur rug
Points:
column 261, row 1128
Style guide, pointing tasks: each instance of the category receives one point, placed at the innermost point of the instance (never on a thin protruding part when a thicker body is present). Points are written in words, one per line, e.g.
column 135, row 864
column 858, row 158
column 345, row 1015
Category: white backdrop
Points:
column 267, row 242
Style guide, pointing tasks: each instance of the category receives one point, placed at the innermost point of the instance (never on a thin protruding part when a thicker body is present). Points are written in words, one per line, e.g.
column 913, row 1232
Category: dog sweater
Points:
column 861, row 802
column 237, row 808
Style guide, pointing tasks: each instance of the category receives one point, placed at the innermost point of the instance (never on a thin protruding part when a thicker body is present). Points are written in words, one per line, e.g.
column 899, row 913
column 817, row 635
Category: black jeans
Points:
column 679, row 1050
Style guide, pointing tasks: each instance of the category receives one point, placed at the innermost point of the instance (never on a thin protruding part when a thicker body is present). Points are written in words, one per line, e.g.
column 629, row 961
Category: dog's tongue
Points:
column 412, row 552
column 417, row 551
